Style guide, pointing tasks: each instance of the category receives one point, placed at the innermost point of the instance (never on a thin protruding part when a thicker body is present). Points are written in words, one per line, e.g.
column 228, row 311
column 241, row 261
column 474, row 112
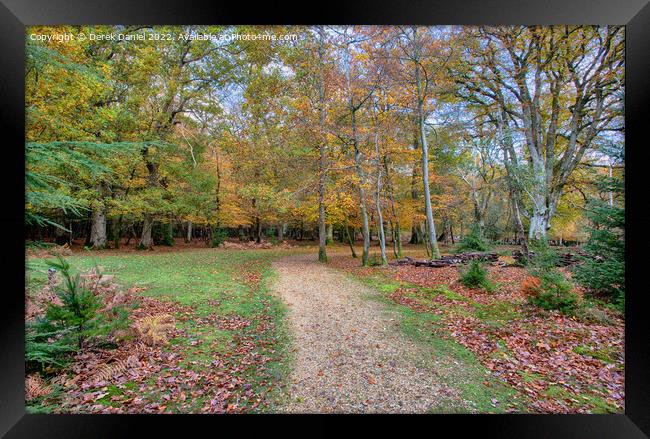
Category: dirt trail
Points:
column 350, row 355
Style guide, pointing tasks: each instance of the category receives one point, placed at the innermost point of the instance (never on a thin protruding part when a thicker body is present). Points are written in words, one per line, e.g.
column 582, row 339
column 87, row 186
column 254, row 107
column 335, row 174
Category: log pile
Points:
column 448, row 261
column 564, row 259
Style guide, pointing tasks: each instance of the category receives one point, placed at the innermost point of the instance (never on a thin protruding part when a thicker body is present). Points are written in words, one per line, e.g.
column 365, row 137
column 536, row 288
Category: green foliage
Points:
column 374, row 260
column 602, row 272
column 45, row 404
column 45, row 347
column 554, row 292
column 219, row 236
column 476, row 277
column 544, row 257
column 53, row 170
column 79, row 320
column 473, row 241
column 162, row 235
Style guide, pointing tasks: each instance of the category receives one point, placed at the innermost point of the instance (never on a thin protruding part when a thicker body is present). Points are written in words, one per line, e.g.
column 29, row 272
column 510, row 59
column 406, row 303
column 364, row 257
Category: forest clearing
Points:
column 339, row 219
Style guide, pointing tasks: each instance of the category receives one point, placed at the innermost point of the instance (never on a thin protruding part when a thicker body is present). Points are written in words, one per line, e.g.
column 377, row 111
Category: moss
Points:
column 594, row 403
column 603, row 354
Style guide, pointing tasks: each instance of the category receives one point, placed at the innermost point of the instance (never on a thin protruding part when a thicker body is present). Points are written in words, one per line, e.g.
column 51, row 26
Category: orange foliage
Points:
column 530, row 286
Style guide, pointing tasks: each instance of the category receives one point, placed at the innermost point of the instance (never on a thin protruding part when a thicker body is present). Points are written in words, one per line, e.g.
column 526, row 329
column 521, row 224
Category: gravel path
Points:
column 350, row 355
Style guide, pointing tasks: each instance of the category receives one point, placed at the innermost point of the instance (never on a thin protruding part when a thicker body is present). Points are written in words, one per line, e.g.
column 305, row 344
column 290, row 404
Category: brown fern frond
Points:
column 35, row 387
column 110, row 370
column 152, row 330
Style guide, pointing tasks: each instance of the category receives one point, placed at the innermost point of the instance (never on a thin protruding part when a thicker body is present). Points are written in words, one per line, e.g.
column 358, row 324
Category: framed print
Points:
column 377, row 210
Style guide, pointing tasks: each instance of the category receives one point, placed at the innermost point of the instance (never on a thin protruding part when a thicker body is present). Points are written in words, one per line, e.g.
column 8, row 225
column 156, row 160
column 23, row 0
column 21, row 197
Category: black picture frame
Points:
column 16, row 14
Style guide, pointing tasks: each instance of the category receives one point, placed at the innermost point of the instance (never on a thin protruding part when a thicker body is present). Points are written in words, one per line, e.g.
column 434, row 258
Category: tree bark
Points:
column 380, row 217
column 362, row 194
column 188, row 234
column 350, row 239
column 431, row 228
column 98, row 227
column 146, row 240
column 396, row 232
column 415, row 235
column 322, row 238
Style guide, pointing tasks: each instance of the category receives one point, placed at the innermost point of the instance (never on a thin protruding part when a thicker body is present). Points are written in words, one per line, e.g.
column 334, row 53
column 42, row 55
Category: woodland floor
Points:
column 273, row 330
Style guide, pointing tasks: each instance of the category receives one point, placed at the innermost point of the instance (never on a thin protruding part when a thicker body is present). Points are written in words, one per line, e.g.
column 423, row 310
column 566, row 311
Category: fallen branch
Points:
column 448, row 261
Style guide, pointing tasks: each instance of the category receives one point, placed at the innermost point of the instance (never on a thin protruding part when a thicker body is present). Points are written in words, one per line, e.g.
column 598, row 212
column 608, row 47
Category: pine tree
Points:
column 603, row 271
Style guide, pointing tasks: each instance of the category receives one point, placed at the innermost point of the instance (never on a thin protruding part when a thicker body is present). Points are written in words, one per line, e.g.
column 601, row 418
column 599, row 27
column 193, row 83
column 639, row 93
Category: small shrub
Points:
column 46, row 348
column 530, row 285
column 473, row 241
column 219, row 236
column 168, row 239
column 476, row 277
column 72, row 324
column 374, row 260
column 551, row 291
column 544, row 257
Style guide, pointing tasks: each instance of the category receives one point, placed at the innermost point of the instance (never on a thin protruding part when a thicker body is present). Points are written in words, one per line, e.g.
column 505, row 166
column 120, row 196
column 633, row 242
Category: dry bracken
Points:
column 153, row 330
column 110, row 370
column 35, row 387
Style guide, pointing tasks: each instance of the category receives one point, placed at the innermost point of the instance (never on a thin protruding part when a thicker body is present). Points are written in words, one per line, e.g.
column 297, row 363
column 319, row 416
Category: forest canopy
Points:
column 423, row 132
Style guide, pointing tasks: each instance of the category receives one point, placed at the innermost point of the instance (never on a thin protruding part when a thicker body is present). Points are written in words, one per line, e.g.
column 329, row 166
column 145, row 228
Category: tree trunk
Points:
column 280, row 232
column 431, row 228
column 350, row 240
column 539, row 223
column 146, row 240
column 330, row 234
column 380, row 217
column 98, row 227
column 322, row 237
column 362, row 200
column 117, row 231
column 510, row 160
column 396, row 232
column 415, row 235
column 188, row 234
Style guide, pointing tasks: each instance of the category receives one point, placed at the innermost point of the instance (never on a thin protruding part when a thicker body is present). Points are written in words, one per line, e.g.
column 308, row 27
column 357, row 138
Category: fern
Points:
column 153, row 330
column 110, row 370
column 35, row 387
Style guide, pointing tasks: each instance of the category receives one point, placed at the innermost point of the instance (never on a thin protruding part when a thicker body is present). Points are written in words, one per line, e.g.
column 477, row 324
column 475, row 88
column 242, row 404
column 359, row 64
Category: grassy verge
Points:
column 480, row 392
column 216, row 285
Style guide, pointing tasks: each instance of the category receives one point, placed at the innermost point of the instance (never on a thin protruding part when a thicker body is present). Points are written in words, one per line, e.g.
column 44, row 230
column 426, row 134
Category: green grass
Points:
column 603, row 354
column 497, row 314
column 596, row 404
column 211, row 282
column 460, row 369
